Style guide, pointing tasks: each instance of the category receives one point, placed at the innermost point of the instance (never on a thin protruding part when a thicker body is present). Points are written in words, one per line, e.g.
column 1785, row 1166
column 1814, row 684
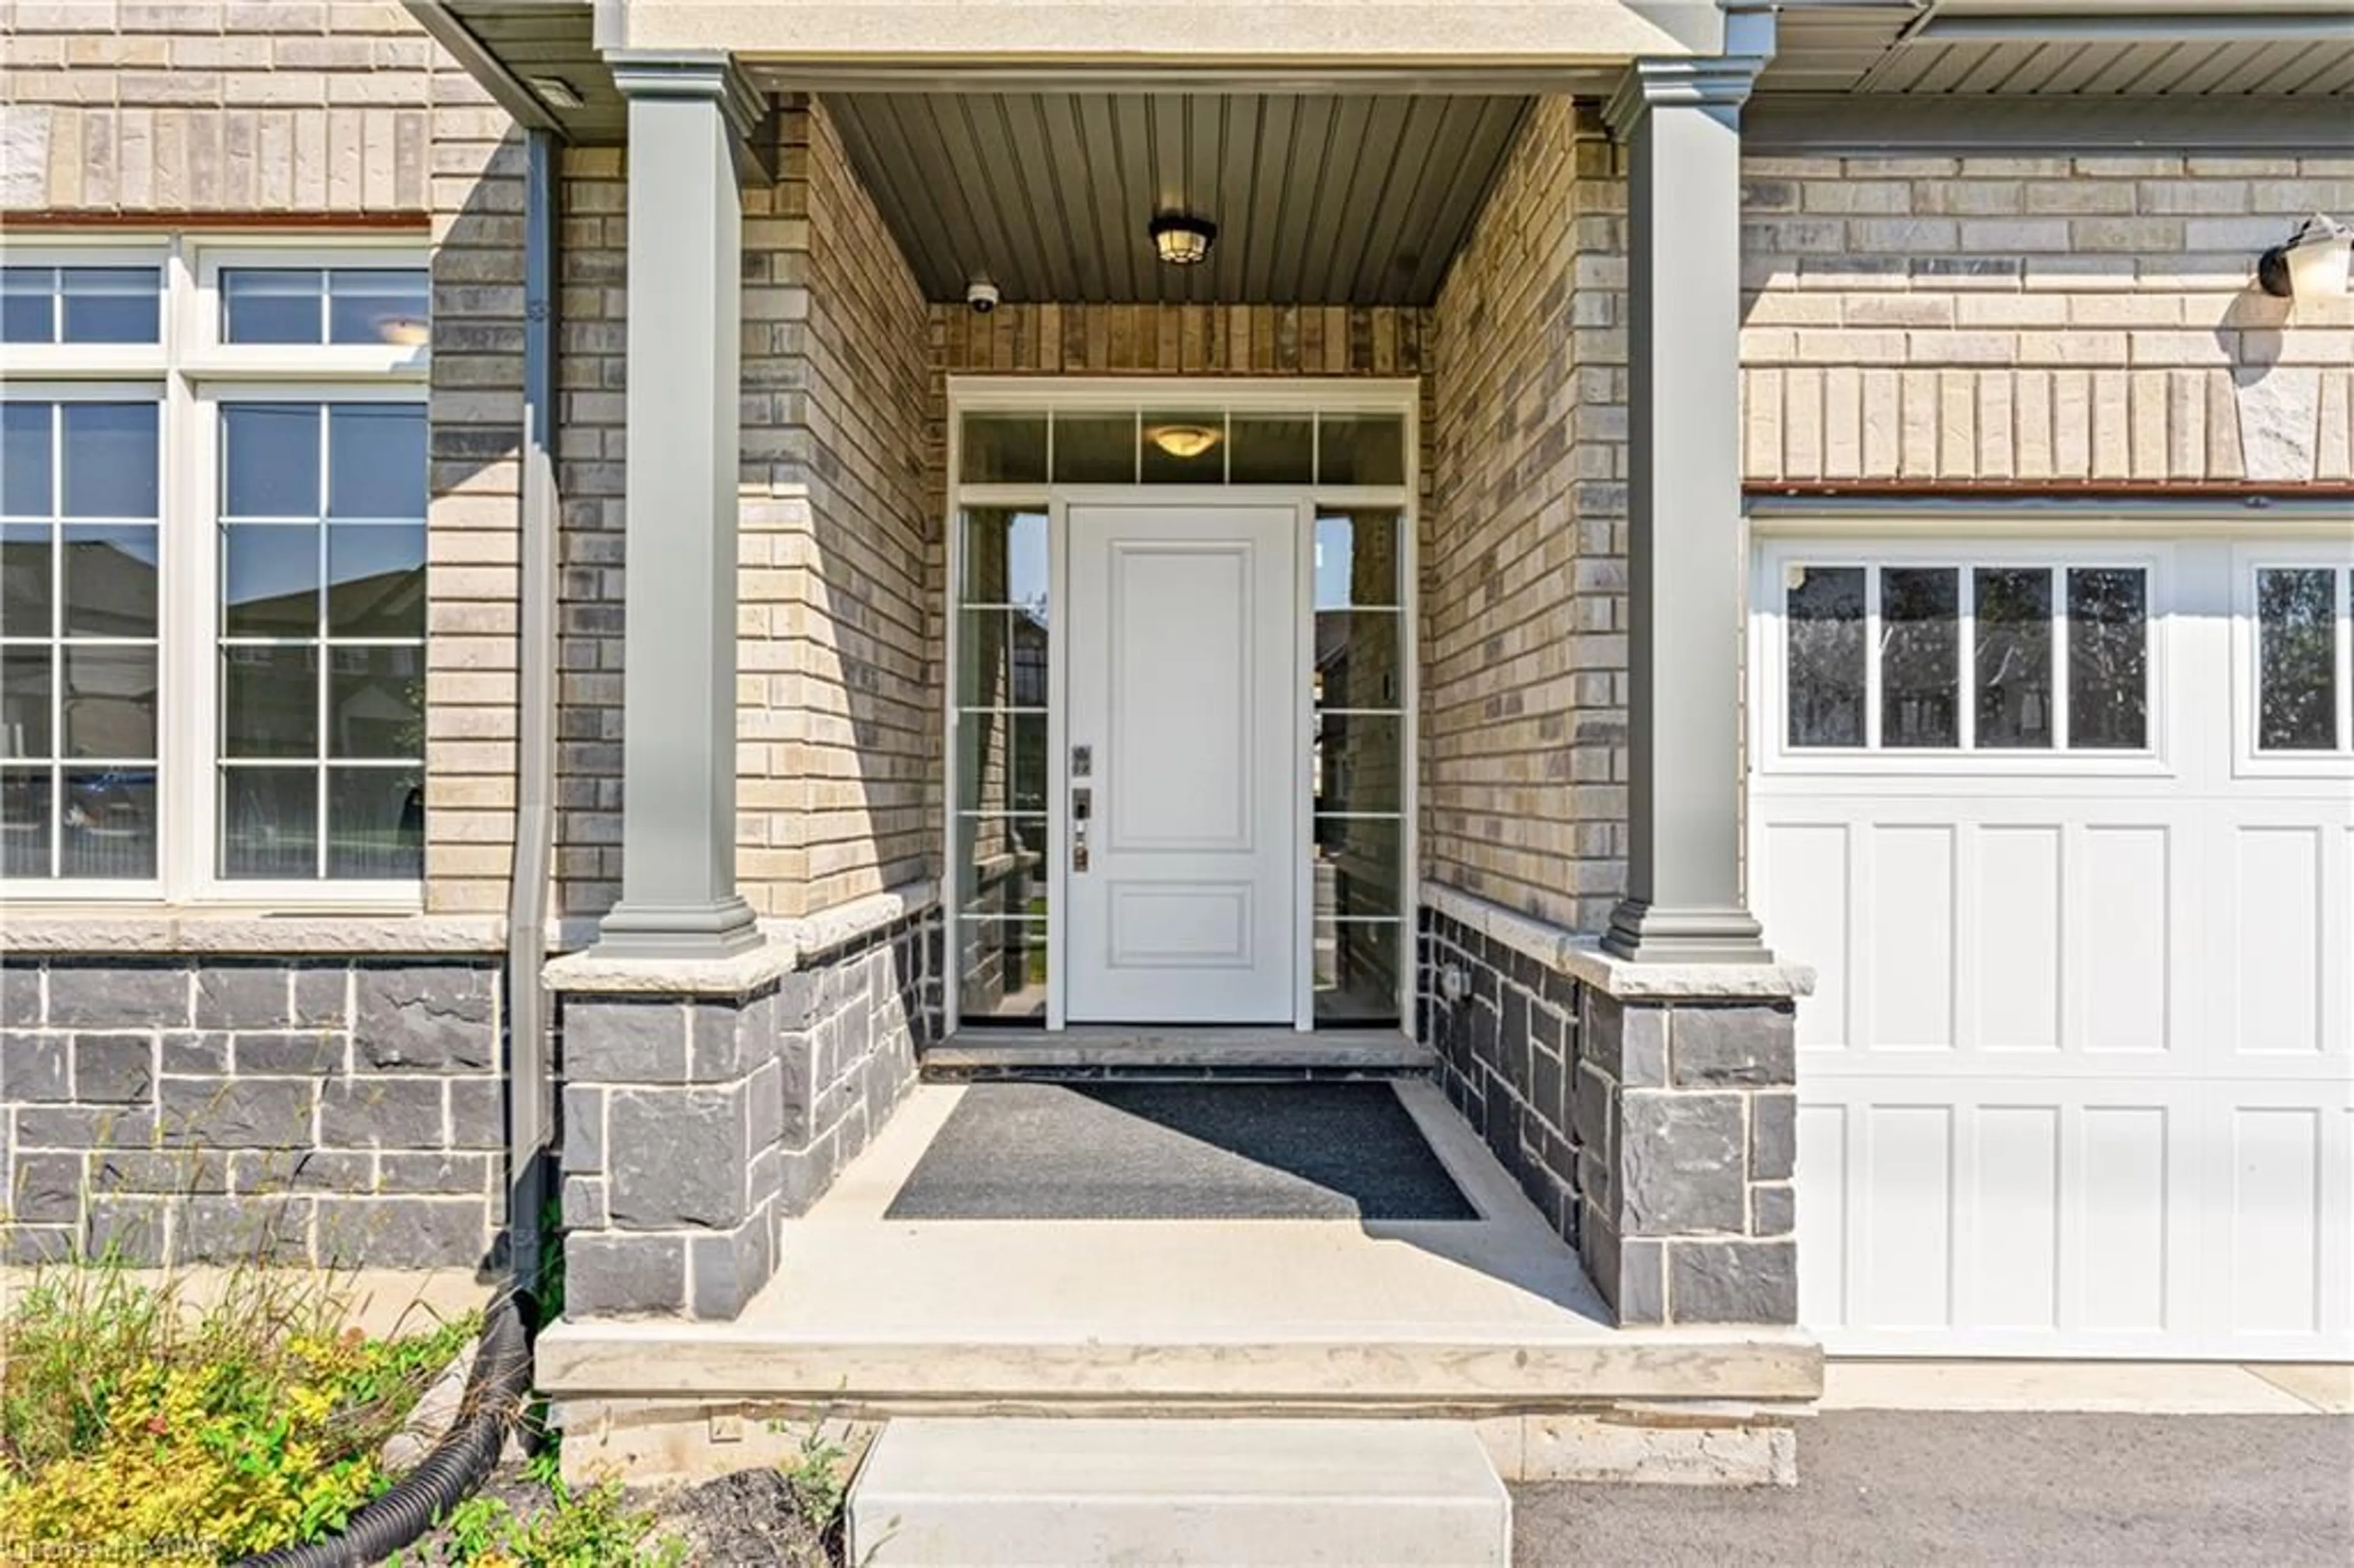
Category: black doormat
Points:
column 1180, row 1151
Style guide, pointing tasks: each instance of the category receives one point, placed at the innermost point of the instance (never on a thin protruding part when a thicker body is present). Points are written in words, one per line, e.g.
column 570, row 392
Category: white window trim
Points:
column 88, row 361
column 203, row 355
column 1320, row 395
column 112, row 889
column 2249, row 760
column 188, row 373
column 1768, row 657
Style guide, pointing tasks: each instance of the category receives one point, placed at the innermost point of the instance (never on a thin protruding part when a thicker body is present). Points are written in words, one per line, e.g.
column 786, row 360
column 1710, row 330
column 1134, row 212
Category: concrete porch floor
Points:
column 869, row 1317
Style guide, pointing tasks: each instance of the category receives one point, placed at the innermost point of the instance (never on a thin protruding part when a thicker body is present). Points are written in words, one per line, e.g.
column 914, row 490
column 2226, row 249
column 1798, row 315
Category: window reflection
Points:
column 1825, row 622
column 323, row 616
column 80, row 695
column 2297, row 659
column 2013, row 667
column 2108, row 659
column 1920, row 666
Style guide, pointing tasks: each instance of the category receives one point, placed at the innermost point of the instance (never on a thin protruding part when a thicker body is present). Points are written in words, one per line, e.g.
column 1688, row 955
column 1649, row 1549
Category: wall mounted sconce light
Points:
column 1181, row 239
column 2310, row 264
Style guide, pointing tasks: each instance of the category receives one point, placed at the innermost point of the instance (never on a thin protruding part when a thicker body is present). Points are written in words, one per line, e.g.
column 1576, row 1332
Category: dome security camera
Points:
column 982, row 295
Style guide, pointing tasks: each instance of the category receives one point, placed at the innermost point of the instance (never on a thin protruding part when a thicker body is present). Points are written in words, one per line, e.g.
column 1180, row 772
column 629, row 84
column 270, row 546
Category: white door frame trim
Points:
column 1321, row 395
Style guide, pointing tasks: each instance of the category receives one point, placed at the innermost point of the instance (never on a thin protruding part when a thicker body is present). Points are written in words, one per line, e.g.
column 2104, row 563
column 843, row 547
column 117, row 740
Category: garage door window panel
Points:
column 1829, row 666
column 2011, row 626
column 1920, row 662
column 1904, row 658
column 2108, row 659
column 2300, row 638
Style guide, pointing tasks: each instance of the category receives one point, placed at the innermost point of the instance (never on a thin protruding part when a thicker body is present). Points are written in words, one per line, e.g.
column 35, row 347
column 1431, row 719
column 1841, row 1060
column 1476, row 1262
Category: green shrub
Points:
column 132, row 1416
column 590, row 1529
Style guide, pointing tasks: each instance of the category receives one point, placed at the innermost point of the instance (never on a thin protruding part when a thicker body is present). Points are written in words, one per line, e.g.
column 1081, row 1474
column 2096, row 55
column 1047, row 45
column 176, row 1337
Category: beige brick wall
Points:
column 592, row 338
column 210, row 115
column 835, row 717
column 839, row 723
column 269, row 106
column 1524, row 570
column 1955, row 321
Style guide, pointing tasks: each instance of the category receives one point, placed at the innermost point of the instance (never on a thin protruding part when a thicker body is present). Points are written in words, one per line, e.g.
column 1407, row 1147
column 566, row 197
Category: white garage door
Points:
column 2068, row 831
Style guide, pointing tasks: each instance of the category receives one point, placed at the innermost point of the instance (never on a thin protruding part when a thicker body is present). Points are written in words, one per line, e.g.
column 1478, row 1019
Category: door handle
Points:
column 1082, row 807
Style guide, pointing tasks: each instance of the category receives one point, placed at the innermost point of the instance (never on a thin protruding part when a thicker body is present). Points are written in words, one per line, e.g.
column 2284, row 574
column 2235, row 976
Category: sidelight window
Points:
column 1003, row 639
column 1356, row 771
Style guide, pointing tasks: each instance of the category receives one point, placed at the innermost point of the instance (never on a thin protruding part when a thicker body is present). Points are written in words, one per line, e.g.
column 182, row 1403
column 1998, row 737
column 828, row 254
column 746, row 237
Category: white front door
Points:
column 1181, row 737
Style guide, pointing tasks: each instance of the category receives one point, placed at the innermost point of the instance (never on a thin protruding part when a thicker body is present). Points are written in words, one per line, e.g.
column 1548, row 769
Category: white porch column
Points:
column 688, row 114
column 1681, row 120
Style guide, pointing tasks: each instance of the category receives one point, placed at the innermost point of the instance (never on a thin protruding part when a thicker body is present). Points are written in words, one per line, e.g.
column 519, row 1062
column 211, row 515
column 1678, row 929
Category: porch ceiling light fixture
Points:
column 1181, row 239
column 556, row 92
column 1183, row 442
column 407, row 332
column 2311, row 264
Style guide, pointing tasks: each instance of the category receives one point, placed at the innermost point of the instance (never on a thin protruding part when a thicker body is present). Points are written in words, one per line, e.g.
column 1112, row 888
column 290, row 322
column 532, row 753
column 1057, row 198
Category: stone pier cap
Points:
column 1584, row 959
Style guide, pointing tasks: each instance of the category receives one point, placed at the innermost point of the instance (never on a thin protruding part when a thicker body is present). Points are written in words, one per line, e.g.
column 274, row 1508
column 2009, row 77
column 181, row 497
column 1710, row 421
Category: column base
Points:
column 1643, row 932
column 718, row 930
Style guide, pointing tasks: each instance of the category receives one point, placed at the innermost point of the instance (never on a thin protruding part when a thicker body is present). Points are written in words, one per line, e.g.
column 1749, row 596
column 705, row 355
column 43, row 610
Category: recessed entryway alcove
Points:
column 1182, row 643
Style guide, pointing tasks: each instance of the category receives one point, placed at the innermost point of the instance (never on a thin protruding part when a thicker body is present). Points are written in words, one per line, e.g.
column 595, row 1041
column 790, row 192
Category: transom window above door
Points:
column 1182, row 440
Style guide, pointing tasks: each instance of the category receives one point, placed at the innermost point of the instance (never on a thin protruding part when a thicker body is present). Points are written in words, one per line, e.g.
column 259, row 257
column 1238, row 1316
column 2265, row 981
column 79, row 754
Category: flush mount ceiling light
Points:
column 2310, row 264
column 1181, row 239
column 408, row 332
column 555, row 91
column 1183, row 442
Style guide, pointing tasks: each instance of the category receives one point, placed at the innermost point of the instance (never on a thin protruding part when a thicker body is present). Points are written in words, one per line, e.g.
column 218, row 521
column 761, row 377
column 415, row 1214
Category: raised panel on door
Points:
column 1910, row 946
column 2014, row 1200
column 2019, row 901
column 2271, row 1196
column 1805, row 899
column 2275, row 938
column 1183, row 696
column 2125, row 934
column 1826, row 1193
column 2125, row 1193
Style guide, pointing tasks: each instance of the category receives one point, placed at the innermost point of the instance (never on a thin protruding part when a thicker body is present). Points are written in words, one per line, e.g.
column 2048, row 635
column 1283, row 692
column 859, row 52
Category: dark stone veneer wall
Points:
column 335, row 1111
column 694, row 1124
column 1658, row 1137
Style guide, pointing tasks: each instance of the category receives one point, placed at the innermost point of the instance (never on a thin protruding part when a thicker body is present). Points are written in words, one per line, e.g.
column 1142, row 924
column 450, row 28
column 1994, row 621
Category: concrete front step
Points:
column 1043, row 1493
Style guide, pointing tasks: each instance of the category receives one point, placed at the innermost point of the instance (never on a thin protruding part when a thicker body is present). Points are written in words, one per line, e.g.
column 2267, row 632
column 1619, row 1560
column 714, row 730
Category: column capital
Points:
column 1705, row 81
column 691, row 73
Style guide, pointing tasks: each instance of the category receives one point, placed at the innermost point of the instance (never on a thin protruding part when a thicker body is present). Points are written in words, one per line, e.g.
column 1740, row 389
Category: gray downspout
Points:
column 531, row 1083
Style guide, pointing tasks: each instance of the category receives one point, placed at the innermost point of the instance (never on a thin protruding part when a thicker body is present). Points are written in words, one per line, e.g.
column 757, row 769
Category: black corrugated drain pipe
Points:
column 449, row 1475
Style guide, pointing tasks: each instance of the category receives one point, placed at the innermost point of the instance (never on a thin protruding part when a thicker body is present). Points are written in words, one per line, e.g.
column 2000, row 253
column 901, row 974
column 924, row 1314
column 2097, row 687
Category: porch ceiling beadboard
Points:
column 1351, row 200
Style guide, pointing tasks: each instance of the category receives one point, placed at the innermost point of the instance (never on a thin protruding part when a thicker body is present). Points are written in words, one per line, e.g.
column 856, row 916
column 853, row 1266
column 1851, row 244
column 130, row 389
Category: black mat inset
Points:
column 1180, row 1151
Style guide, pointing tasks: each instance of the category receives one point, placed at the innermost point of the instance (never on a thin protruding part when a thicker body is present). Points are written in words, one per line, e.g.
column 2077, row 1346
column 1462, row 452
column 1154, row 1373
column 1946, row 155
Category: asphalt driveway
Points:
column 1891, row 1489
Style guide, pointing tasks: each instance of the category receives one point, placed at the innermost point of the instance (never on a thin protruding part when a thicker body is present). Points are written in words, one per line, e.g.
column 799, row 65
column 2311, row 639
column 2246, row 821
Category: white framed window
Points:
column 212, row 502
column 1960, row 658
column 2293, row 659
